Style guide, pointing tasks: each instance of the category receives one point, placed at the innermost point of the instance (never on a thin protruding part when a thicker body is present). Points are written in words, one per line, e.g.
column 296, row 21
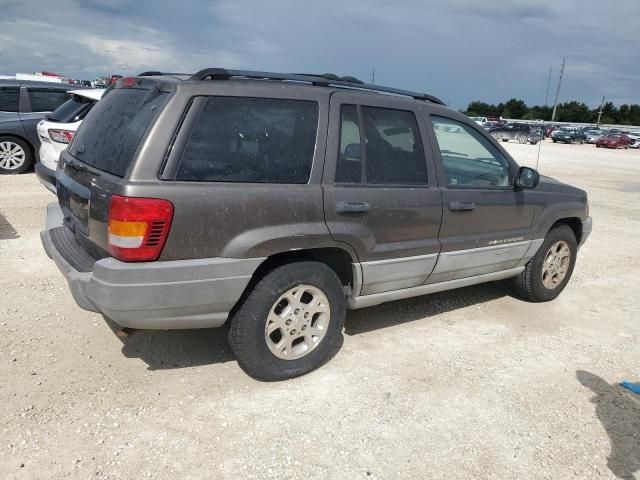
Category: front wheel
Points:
column 522, row 139
column 549, row 271
column 290, row 322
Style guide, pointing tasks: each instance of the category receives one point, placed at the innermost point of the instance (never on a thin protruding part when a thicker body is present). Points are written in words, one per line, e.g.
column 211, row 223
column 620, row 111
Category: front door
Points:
column 486, row 223
column 380, row 191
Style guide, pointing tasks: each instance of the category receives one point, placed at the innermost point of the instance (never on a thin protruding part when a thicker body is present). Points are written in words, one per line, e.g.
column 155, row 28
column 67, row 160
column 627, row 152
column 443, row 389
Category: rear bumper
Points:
column 46, row 176
column 150, row 295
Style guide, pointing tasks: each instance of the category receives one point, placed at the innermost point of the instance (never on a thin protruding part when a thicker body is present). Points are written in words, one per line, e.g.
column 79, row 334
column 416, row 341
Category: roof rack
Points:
column 323, row 80
column 153, row 73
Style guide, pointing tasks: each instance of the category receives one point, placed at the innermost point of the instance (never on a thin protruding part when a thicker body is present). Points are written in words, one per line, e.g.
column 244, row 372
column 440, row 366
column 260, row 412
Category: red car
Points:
column 614, row 140
column 114, row 78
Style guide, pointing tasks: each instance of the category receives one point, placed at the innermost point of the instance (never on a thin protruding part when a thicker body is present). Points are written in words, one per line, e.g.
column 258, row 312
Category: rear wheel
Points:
column 495, row 135
column 549, row 271
column 15, row 155
column 290, row 322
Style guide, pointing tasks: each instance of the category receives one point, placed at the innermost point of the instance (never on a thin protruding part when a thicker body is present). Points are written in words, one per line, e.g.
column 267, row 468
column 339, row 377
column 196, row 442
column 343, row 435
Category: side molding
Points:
column 378, row 298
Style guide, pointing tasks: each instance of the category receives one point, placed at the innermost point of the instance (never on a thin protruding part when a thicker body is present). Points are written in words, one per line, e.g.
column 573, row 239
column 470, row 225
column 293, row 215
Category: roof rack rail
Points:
column 153, row 73
column 323, row 80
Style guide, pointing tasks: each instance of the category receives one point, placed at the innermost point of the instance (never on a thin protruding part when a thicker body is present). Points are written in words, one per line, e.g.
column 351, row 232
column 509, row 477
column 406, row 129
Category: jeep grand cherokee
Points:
column 275, row 202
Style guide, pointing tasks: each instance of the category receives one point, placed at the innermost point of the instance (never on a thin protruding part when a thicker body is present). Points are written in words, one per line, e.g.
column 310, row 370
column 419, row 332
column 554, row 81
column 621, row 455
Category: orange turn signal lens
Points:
column 127, row 229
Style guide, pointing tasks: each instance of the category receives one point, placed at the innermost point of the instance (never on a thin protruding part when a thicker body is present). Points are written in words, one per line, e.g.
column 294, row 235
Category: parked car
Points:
column 190, row 201
column 480, row 120
column 568, row 135
column 521, row 132
column 23, row 104
column 114, row 78
column 635, row 144
column 490, row 125
column 57, row 130
column 594, row 135
column 614, row 140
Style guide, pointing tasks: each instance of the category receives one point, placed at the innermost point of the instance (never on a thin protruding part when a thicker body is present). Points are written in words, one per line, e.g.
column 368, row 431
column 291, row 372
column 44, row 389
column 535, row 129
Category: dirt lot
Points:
column 467, row 384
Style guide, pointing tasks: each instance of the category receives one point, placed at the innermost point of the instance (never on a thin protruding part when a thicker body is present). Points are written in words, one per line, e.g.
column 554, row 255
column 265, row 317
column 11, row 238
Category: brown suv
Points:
column 278, row 201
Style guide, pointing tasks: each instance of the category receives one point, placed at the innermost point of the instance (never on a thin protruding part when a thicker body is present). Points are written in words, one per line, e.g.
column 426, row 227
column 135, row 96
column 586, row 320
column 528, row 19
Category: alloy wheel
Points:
column 556, row 264
column 297, row 322
column 12, row 155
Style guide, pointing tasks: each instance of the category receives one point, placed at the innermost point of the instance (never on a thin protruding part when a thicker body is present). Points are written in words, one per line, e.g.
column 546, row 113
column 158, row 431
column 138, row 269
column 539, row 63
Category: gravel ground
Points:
column 466, row 384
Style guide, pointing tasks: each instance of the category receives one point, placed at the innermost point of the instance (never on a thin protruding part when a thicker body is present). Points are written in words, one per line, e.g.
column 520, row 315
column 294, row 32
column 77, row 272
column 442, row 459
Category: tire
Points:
column 496, row 135
column 522, row 139
column 533, row 143
column 15, row 155
column 254, row 347
column 504, row 139
column 555, row 141
column 529, row 285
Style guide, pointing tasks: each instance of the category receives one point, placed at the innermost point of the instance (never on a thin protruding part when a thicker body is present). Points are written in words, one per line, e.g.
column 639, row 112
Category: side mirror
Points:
column 527, row 178
column 353, row 150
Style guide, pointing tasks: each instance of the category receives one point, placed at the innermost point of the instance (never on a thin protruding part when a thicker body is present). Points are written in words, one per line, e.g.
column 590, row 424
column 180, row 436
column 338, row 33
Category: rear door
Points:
column 36, row 102
column 380, row 192
column 486, row 224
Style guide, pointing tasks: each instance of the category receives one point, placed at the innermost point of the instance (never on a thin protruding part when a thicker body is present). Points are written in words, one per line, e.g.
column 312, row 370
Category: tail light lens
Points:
column 61, row 136
column 138, row 227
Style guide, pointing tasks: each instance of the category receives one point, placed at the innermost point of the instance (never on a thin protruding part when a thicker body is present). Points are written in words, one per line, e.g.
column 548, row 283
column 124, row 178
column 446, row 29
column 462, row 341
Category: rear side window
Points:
column 109, row 135
column 393, row 153
column 46, row 99
column 252, row 140
column 9, row 99
column 73, row 110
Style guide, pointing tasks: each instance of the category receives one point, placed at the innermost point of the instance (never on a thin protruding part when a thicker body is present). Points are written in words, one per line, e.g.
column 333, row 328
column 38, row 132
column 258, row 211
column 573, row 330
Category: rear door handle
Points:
column 352, row 208
column 457, row 206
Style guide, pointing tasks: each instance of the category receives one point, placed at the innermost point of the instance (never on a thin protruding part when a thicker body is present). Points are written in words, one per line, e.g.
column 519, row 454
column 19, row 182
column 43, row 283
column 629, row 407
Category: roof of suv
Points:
column 317, row 80
column 12, row 82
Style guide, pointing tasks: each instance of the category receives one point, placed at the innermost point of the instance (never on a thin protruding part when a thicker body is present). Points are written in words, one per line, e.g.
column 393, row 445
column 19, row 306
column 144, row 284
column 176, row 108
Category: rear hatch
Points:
column 94, row 165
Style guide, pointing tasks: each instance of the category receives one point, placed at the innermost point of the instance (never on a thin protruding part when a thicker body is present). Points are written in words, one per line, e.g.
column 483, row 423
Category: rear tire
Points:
column 15, row 155
column 541, row 280
column 276, row 312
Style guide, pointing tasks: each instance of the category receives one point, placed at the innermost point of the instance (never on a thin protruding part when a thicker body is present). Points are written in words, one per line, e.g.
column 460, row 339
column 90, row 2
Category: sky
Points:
column 457, row 50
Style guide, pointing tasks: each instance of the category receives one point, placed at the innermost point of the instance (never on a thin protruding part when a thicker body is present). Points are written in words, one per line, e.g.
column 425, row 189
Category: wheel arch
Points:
column 339, row 259
column 575, row 223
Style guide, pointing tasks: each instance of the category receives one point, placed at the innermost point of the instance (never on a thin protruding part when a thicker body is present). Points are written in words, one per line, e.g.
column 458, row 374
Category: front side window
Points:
column 46, row 99
column 9, row 99
column 469, row 159
column 252, row 140
column 393, row 153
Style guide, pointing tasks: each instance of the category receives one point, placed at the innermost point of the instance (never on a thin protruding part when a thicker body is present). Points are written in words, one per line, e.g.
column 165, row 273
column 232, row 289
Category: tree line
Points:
column 573, row 111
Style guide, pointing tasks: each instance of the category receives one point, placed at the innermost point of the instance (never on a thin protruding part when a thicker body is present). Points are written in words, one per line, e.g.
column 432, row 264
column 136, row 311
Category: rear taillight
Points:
column 138, row 227
column 61, row 136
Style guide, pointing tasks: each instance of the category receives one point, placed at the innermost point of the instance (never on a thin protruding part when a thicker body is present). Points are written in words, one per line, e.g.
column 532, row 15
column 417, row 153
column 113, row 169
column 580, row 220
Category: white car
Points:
column 57, row 129
column 635, row 144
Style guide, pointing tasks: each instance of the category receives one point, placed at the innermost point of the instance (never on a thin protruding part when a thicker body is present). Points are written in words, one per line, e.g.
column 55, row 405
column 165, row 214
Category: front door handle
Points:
column 457, row 206
column 352, row 208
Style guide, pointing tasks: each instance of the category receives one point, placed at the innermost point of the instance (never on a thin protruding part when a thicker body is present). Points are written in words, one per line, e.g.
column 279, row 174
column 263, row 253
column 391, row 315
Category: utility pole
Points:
column 555, row 103
column 546, row 98
column 373, row 76
column 600, row 113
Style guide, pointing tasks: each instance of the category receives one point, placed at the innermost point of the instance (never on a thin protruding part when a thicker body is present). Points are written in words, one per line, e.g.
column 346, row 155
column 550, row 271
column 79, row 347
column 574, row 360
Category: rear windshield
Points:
column 110, row 134
column 73, row 110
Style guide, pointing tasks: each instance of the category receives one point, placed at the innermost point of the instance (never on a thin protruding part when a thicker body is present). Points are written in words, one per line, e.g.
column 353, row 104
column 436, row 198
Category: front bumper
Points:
column 148, row 295
column 46, row 176
column 587, row 227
